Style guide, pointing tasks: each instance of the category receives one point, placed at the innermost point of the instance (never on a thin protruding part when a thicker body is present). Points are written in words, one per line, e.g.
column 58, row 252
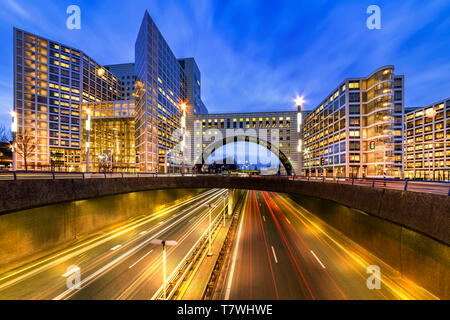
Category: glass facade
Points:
column 427, row 142
column 160, row 91
column 51, row 81
column 357, row 130
column 125, row 73
column 111, row 136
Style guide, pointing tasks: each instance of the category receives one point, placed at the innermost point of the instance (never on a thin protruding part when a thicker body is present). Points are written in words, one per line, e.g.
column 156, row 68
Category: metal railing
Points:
column 430, row 186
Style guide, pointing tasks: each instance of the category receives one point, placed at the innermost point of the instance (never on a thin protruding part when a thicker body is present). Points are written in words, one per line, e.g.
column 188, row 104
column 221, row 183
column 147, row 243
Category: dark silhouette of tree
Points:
column 25, row 147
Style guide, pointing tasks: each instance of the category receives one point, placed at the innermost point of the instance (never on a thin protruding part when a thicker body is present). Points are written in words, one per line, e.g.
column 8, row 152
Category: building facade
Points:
column 51, row 82
column 427, row 142
column 160, row 92
column 357, row 130
column 111, row 137
column 277, row 131
column 125, row 73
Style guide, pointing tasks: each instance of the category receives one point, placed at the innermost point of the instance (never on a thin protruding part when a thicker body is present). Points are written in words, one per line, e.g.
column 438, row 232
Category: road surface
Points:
column 284, row 252
column 120, row 263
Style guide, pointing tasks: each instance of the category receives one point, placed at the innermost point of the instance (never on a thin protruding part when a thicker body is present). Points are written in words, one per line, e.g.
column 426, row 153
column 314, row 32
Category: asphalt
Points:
column 120, row 263
column 283, row 252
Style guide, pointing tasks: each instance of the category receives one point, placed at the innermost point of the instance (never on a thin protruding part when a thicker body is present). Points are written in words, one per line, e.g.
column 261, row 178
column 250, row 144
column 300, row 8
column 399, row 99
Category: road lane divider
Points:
column 318, row 260
column 74, row 251
column 176, row 278
column 140, row 259
column 274, row 254
column 69, row 292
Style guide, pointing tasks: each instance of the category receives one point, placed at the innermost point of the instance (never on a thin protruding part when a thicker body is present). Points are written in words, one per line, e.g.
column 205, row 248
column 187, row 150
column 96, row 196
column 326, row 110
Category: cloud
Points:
column 16, row 8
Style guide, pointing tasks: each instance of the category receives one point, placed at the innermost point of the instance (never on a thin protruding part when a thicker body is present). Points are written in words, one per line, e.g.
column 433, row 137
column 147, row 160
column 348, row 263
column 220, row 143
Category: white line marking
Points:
column 140, row 259
column 264, row 218
column 288, row 221
column 233, row 264
column 116, row 247
column 317, row 259
column 274, row 255
column 143, row 232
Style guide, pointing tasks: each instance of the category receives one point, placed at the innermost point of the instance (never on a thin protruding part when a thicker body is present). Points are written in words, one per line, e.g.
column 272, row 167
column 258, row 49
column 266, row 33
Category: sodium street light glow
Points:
column 164, row 243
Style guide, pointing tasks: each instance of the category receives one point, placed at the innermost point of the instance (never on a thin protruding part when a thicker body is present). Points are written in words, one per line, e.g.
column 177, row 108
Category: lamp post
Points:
column 183, row 130
column 299, row 101
column 14, row 130
column 164, row 244
column 210, row 208
column 224, row 208
column 88, row 128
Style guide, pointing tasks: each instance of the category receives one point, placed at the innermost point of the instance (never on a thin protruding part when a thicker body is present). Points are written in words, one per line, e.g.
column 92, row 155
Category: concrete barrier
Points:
column 33, row 231
column 416, row 256
column 425, row 213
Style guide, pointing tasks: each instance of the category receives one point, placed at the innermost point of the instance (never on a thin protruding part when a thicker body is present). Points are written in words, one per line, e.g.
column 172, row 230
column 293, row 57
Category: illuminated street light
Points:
column 224, row 208
column 14, row 130
column 183, row 130
column 299, row 101
column 211, row 207
column 88, row 128
column 164, row 243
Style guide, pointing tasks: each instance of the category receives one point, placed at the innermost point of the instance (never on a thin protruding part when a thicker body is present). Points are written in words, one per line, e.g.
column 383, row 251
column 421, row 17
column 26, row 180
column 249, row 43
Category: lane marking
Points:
column 274, row 255
column 143, row 232
column 140, row 259
column 317, row 259
column 74, row 251
column 116, row 247
column 233, row 264
column 288, row 220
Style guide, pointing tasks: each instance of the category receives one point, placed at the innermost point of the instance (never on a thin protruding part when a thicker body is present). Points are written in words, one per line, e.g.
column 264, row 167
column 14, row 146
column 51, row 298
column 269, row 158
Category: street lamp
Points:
column 164, row 243
column 14, row 130
column 299, row 101
column 210, row 206
column 88, row 128
column 224, row 208
column 183, row 130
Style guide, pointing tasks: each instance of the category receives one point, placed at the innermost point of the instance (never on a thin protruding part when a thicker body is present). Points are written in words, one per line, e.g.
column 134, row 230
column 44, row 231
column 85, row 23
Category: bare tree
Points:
column 25, row 147
column 5, row 134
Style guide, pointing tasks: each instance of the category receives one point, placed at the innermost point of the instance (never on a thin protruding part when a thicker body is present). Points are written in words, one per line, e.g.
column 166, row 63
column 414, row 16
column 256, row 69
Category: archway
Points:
column 209, row 149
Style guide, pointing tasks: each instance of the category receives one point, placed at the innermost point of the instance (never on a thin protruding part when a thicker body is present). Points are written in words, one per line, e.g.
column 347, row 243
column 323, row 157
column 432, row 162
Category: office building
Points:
column 125, row 73
column 357, row 130
column 427, row 142
column 111, row 137
column 160, row 90
column 276, row 131
column 51, row 82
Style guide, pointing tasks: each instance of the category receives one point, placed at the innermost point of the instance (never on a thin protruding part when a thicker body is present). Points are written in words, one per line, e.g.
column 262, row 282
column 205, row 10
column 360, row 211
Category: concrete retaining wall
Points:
column 32, row 231
column 426, row 213
column 416, row 256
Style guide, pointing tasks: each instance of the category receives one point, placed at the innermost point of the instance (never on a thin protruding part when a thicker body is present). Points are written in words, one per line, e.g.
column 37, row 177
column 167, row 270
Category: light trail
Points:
column 274, row 255
column 318, row 260
column 236, row 249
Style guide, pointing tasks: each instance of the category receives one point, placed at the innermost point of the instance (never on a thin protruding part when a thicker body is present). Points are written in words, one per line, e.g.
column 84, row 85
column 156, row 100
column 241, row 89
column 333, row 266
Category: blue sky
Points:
column 254, row 55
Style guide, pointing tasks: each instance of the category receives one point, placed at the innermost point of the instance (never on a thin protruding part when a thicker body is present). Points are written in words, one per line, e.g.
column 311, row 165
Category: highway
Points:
column 119, row 263
column 283, row 252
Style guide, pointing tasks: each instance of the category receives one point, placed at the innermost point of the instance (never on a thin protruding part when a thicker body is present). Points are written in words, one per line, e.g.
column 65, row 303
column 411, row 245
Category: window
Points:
column 354, row 109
